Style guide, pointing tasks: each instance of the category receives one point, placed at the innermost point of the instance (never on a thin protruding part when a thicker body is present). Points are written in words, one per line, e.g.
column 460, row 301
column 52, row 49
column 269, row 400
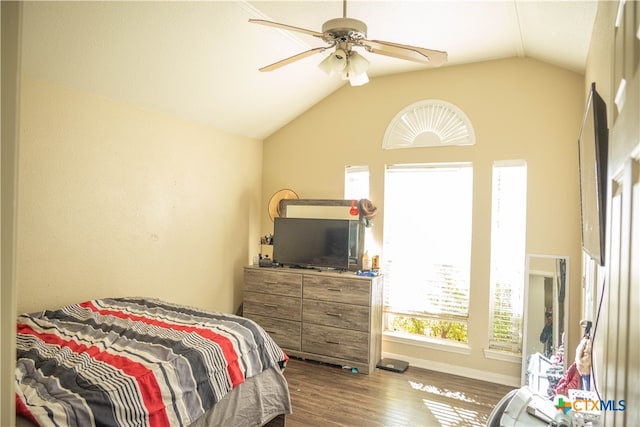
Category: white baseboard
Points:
column 458, row 370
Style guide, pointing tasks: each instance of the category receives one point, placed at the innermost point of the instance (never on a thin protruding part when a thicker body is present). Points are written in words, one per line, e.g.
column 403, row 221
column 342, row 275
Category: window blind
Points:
column 427, row 240
column 356, row 182
column 508, row 234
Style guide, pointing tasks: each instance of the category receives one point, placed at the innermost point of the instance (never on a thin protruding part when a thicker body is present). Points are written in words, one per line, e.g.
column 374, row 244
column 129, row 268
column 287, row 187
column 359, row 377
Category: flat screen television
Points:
column 593, row 152
column 311, row 243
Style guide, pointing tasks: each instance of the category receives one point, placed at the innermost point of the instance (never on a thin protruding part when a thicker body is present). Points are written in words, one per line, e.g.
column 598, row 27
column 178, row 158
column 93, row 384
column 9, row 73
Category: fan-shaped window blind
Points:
column 429, row 123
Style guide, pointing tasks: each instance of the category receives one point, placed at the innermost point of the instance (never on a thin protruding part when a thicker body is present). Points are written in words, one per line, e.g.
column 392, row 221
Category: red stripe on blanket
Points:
column 149, row 388
column 21, row 409
column 230, row 355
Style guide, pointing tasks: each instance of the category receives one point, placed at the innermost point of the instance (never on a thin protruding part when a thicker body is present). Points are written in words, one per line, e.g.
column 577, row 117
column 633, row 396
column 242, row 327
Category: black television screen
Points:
column 307, row 242
column 593, row 152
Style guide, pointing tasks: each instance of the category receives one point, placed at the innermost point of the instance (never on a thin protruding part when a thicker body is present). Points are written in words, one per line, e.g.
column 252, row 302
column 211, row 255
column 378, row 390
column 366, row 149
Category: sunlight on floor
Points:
column 447, row 414
column 457, row 395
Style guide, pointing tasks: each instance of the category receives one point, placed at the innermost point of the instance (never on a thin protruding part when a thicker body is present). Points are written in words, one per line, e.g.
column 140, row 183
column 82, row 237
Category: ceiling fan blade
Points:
column 286, row 27
column 293, row 58
column 403, row 51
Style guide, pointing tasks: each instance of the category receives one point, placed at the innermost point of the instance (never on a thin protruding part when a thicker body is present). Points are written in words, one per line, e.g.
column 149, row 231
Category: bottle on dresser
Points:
column 366, row 261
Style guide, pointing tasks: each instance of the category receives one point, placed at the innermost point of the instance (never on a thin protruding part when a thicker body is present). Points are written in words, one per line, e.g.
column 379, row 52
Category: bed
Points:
column 146, row 362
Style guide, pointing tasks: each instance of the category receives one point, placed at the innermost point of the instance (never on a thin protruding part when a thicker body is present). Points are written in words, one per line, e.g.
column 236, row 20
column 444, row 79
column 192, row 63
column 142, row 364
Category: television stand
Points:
column 325, row 316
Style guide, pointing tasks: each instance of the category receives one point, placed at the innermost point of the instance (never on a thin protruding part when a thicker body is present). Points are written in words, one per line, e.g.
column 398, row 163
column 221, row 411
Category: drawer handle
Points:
column 332, row 342
column 271, row 282
column 271, row 305
column 334, row 314
column 335, row 289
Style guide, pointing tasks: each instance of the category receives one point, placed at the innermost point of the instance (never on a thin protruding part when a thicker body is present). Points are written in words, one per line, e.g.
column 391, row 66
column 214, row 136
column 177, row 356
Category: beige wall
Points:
column 117, row 201
column 520, row 109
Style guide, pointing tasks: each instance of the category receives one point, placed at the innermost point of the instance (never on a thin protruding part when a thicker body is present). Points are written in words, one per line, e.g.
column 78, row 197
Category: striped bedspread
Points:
column 133, row 361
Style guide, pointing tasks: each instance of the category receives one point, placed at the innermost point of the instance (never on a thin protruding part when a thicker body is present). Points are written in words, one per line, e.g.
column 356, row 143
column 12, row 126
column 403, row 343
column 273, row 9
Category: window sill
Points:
column 503, row 356
column 435, row 344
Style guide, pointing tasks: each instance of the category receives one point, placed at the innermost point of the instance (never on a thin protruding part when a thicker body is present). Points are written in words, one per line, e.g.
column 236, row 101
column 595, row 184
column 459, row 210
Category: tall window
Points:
column 508, row 233
column 427, row 249
column 356, row 182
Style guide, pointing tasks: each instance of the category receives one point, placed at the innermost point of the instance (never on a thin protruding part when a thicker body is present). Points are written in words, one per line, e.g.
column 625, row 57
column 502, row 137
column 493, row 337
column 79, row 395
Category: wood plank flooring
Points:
column 326, row 395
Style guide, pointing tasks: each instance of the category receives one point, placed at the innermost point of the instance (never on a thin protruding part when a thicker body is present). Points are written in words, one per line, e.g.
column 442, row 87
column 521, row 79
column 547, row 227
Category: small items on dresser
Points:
column 265, row 261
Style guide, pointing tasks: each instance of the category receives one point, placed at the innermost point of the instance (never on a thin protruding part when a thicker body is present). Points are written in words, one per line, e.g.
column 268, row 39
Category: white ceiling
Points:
column 199, row 60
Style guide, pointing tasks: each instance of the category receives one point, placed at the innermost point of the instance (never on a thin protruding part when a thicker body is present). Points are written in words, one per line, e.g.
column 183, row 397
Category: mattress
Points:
column 140, row 361
column 254, row 403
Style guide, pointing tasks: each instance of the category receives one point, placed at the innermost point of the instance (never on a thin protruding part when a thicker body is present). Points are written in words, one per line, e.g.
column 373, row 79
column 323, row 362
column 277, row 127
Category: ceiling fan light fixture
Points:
column 335, row 63
column 349, row 65
column 358, row 79
column 358, row 64
column 356, row 70
column 325, row 64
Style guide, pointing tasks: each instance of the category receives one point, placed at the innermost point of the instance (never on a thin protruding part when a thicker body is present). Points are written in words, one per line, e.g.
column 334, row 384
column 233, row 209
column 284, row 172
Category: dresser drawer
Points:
column 273, row 282
column 286, row 333
column 328, row 288
column 281, row 307
column 335, row 342
column 339, row 315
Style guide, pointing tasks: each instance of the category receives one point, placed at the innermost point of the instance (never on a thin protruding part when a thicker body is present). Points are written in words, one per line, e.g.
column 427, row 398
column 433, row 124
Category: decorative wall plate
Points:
column 274, row 202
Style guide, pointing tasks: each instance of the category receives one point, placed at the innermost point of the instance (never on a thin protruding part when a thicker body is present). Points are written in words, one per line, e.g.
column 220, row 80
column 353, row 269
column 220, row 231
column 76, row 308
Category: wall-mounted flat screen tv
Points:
column 309, row 243
column 593, row 153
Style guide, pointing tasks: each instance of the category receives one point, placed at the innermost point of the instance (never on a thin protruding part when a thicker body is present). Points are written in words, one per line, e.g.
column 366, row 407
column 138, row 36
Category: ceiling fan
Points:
column 344, row 34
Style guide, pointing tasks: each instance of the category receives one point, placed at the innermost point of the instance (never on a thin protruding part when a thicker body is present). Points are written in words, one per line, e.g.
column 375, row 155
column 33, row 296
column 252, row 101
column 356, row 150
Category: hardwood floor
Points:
column 326, row 395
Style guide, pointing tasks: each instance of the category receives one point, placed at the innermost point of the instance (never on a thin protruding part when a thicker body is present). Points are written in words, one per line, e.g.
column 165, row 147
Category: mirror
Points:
column 332, row 209
column 318, row 208
column 545, row 321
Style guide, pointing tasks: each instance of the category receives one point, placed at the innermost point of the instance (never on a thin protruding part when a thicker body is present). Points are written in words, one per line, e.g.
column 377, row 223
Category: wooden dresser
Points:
column 326, row 316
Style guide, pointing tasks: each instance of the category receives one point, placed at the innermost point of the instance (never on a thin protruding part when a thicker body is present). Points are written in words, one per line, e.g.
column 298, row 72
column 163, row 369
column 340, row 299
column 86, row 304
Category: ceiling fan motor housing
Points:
column 343, row 30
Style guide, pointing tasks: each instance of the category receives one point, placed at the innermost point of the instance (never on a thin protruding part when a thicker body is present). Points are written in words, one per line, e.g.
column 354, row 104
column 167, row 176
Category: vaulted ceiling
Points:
column 199, row 60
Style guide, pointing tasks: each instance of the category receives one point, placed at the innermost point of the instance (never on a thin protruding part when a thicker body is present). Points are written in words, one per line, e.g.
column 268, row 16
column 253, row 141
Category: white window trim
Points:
column 503, row 356
column 511, row 162
column 426, row 342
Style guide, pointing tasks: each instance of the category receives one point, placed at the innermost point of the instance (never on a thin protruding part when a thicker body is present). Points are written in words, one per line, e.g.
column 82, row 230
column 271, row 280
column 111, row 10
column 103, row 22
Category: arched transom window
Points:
column 429, row 123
